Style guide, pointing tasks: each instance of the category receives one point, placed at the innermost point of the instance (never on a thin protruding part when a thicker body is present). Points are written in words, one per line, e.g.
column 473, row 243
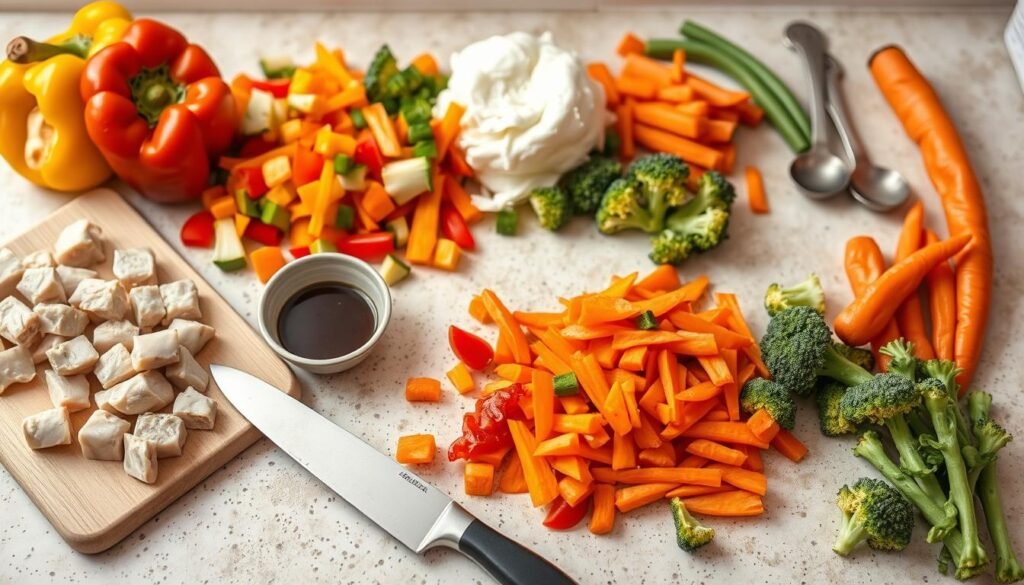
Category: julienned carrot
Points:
column 668, row 301
column 750, row 113
column 737, row 324
column 689, row 491
column 716, row 95
column 864, row 264
column 639, row 65
column 663, row 456
column 602, row 518
column 716, row 452
column 754, row 461
column 636, row 496
column 663, row 278
column 725, row 432
column 728, row 158
column 942, row 304
column 677, row 94
column 623, row 452
column 628, row 339
column 586, row 333
column 540, row 480
column 615, row 411
column 446, row 132
column 700, row 392
column 383, row 129
column 456, row 194
column 587, row 423
column 509, row 326
column 638, row 87
column 423, row 231
column 763, row 426
column 789, row 446
column 624, row 127
column 517, row 373
column 543, row 404
column 577, row 468
column 724, row 338
column 542, row 320
column 512, row 480
column 694, row 108
column 678, row 66
column 926, row 122
column 719, row 131
column 676, row 475
column 688, row 150
column 716, row 369
column 551, row 360
column 868, row 314
column 755, row 190
column 599, row 72
column 690, row 414
column 693, row 461
column 729, row 504
column 909, row 315
column 745, row 479
column 633, row 359
column 667, row 118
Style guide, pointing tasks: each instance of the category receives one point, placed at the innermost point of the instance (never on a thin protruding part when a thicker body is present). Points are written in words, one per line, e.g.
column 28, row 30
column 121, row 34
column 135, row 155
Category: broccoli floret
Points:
column 697, row 226
column 807, row 293
column 902, row 360
column 798, row 348
column 690, row 533
column 624, row 206
column 875, row 512
column 760, row 394
column 858, row 355
column 382, row 68
column 587, row 183
column 551, row 205
column 832, row 422
column 664, row 178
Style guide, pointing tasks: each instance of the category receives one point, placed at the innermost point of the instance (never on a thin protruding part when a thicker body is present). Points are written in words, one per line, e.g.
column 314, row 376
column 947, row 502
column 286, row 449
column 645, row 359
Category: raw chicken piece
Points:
column 18, row 324
column 38, row 259
column 165, row 430
column 102, row 399
column 181, row 300
column 70, row 277
column 107, row 335
column 140, row 458
column 147, row 306
column 196, row 410
column 10, row 272
column 41, row 285
column 80, row 244
column 48, row 428
column 102, row 436
column 63, row 320
column 114, row 367
column 46, row 344
column 134, row 267
column 155, row 350
column 192, row 334
column 16, row 367
column 187, row 372
column 74, row 356
column 71, row 392
column 104, row 300
column 143, row 392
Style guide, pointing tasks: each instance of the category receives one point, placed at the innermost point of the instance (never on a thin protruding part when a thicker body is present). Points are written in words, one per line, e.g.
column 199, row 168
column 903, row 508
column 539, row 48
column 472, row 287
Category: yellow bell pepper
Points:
column 42, row 127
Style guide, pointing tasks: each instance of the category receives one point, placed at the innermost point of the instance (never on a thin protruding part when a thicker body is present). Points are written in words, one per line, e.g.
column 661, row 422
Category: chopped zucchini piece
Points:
column 400, row 228
column 228, row 253
column 566, row 384
column 507, row 222
column 358, row 120
column 345, row 217
column 245, row 205
column 259, row 114
column 322, row 246
column 646, row 320
column 278, row 67
column 393, row 269
column 354, row 179
column 275, row 215
column 342, row 164
column 405, row 179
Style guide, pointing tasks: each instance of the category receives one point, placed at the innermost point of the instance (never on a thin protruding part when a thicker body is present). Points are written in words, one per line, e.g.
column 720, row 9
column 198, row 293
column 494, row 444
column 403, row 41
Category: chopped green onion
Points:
column 646, row 320
column 427, row 148
column 342, row 164
column 345, row 217
column 566, row 384
column 358, row 120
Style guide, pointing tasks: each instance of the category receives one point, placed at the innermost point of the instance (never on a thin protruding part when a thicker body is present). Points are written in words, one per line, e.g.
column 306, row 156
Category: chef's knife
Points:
column 413, row 511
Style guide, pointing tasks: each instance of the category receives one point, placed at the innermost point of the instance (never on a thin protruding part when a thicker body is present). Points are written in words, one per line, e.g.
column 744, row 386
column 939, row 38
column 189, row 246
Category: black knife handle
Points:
column 509, row 562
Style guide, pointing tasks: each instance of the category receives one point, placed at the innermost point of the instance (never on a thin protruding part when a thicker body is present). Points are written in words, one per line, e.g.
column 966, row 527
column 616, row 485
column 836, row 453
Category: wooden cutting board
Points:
column 94, row 504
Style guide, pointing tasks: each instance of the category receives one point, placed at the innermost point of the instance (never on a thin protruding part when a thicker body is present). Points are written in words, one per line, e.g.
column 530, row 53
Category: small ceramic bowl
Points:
column 322, row 269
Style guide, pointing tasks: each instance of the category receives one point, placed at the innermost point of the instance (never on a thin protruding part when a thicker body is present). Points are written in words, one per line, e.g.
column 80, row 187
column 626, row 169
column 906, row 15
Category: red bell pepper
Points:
column 299, row 251
column 367, row 246
column 276, row 87
column 562, row 516
column 455, row 229
column 265, row 234
column 470, row 349
column 307, row 166
column 197, row 230
column 251, row 179
column 255, row 147
column 367, row 153
column 158, row 110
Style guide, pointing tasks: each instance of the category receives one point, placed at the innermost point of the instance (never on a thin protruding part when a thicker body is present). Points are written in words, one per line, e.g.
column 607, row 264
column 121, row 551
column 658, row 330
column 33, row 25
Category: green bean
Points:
column 700, row 52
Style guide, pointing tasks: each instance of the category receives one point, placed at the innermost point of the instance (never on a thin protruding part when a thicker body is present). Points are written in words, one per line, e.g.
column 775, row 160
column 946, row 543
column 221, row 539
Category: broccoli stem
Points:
column 839, row 368
column 1008, row 568
column 851, row 533
column 942, row 518
column 910, row 458
column 918, row 423
column 939, row 407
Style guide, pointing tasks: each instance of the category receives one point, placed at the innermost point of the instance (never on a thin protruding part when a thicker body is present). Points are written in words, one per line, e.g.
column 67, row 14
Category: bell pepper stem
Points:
column 24, row 50
column 153, row 90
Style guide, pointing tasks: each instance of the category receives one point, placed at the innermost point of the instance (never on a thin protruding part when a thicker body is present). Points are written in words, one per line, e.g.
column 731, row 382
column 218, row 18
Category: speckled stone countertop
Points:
column 262, row 519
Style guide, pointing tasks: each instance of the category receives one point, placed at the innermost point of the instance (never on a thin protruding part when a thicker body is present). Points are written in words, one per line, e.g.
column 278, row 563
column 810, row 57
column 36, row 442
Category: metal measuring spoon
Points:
column 817, row 171
column 875, row 187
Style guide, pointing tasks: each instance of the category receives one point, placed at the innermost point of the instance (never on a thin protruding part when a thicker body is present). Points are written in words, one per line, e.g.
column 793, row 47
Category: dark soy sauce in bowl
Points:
column 325, row 321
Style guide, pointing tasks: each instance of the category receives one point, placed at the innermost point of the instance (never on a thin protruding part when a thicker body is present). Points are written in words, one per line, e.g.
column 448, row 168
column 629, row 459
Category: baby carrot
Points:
column 755, row 190
column 942, row 304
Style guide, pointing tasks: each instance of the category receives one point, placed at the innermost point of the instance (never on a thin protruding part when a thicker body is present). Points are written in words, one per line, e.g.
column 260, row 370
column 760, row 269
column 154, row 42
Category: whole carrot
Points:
column 868, row 314
column 864, row 264
column 942, row 303
column 909, row 315
column 926, row 122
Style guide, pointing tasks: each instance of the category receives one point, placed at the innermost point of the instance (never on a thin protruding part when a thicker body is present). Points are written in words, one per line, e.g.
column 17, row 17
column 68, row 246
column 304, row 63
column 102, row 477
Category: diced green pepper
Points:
column 345, row 217
column 342, row 164
column 275, row 215
column 245, row 205
column 566, row 384
column 419, row 132
column 646, row 320
column 358, row 120
column 427, row 148
column 507, row 222
column 321, row 246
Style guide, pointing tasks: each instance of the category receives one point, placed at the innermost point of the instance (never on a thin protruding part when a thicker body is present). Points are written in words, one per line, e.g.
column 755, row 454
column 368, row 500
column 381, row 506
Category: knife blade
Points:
column 416, row 513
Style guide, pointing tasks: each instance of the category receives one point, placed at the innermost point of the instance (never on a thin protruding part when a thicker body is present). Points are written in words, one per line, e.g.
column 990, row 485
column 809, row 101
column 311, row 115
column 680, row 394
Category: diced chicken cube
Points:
column 187, row 372
column 134, row 267
column 38, row 259
column 70, row 277
column 71, row 392
column 155, row 350
column 192, row 334
column 74, row 356
column 104, row 300
column 147, row 305
column 143, row 392
column 80, row 244
column 114, row 366
column 48, row 428
column 63, row 320
column 102, row 436
column 140, row 458
column 18, row 324
column 16, row 367
column 107, row 335
column 196, row 410
column 41, row 285
column 10, row 272
column 102, row 399
column 166, row 431
column 47, row 343
column 181, row 300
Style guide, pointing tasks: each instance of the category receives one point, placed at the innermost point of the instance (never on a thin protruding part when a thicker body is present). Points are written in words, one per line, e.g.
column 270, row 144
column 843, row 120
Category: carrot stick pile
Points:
column 665, row 108
column 654, row 412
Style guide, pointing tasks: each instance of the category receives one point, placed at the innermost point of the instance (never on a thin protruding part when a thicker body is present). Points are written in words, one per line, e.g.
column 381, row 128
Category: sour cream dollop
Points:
column 532, row 113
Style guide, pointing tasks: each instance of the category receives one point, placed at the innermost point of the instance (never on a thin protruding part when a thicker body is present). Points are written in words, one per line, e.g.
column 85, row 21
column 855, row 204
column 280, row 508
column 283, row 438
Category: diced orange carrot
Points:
column 479, row 479
column 266, row 261
column 512, row 480
column 416, row 449
column 478, row 311
column 763, row 426
column 425, row 63
column 494, row 457
column 602, row 518
column 791, row 447
column 423, row 390
column 376, row 201
column 629, row 45
column 574, row 491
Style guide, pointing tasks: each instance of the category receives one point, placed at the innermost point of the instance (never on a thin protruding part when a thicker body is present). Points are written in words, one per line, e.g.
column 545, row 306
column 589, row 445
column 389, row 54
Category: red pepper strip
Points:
column 299, row 252
column 455, row 229
column 367, row 246
column 197, row 231
column 251, row 179
column 276, row 87
column 562, row 516
column 265, row 234
column 158, row 111
column 367, row 153
column 306, row 167
column 470, row 349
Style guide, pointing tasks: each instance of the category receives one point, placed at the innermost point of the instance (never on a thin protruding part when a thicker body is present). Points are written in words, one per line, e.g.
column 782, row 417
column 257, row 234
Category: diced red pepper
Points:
column 299, row 251
column 307, row 166
column 276, row 87
column 455, row 229
column 486, row 429
column 562, row 516
column 198, row 230
column 368, row 154
column 251, row 179
column 470, row 349
column 367, row 246
column 265, row 234
column 255, row 147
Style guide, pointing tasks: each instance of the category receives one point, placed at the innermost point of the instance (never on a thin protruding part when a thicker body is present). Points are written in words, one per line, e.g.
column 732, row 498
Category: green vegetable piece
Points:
column 587, row 183
column 400, row 228
column 393, row 270
column 245, row 205
column 228, row 252
column 551, row 205
column 775, row 399
column 277, row 67
column 699, row 225
column 382, row 68
column 807, row 293
column 858, row 355
column 407, row 178
column 345, row 217
column 566, row 384
column 646, row 321
column 416, row 110
column 612, row 142
column 358, row 119
column 275, row 215
column 506, row 222
column 322, row 246
column 420, row 131
column 343, row 164
column 875, row 512
column 828, row 396
column 426, row 148
column 690, row 533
